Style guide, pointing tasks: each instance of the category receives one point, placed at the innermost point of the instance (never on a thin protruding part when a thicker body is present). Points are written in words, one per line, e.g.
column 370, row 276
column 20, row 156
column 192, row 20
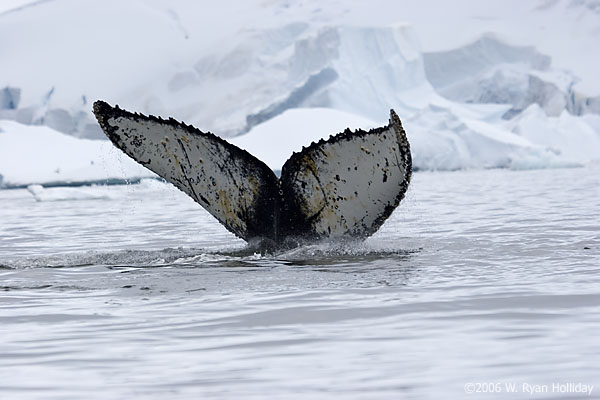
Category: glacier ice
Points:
column 491, row 71
column 491, row 101
column 41, row 155
column 9, row 98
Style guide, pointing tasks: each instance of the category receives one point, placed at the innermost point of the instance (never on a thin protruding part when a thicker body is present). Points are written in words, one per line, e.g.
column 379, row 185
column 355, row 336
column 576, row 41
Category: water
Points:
column 483, row 277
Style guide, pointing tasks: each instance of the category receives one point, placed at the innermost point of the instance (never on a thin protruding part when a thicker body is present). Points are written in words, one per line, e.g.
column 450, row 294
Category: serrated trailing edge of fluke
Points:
column 103, row 111
column 347, row 134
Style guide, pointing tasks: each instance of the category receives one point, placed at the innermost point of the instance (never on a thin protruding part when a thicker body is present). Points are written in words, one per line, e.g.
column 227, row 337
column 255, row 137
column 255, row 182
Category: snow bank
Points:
column 275, row 140
column 40, row 155
column 572, row 137
column 522, row 96
column 440, row 140
column 145, row 187
column 40, row 193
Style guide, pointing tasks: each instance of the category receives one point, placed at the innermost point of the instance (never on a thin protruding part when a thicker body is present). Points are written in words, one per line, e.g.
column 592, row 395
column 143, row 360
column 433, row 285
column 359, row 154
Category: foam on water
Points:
column 226, row 256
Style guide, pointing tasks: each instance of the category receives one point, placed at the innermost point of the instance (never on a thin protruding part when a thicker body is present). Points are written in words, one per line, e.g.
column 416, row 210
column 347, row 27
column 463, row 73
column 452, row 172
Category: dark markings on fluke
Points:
column 343, row 187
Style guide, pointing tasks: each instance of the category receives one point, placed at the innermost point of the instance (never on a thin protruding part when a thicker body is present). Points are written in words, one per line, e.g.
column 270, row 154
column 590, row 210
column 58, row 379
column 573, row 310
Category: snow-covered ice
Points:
column 41, row 155
column 477, row 85
column 274, row 141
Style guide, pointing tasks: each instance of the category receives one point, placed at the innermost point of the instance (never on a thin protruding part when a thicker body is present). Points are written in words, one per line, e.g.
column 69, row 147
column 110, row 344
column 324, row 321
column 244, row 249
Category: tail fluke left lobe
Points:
column 231, row 184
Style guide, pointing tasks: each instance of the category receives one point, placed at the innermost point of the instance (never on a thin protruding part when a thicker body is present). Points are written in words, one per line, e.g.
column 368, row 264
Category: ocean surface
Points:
column 482, row 284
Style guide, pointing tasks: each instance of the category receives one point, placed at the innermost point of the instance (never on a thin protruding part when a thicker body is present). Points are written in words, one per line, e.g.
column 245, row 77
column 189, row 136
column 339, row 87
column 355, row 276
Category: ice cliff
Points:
column 500, row 97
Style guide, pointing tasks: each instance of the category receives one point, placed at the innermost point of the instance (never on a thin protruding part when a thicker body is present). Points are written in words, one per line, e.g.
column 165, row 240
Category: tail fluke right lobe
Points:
column 346, row 186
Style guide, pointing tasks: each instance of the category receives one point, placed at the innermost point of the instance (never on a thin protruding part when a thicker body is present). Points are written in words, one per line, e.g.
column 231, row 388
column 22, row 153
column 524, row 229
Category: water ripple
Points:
column 480, row 276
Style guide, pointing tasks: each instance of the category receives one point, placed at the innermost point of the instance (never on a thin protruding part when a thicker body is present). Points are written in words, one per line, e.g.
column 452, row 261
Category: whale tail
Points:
column 346, row 186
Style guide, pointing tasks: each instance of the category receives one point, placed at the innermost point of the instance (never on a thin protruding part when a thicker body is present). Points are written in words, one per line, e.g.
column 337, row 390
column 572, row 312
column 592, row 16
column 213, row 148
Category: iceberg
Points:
column 40, row 155
column 275, row 140
column 494, row 95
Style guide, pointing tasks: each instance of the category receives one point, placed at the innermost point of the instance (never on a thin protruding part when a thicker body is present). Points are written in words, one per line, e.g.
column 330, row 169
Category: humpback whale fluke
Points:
column 346, row 186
